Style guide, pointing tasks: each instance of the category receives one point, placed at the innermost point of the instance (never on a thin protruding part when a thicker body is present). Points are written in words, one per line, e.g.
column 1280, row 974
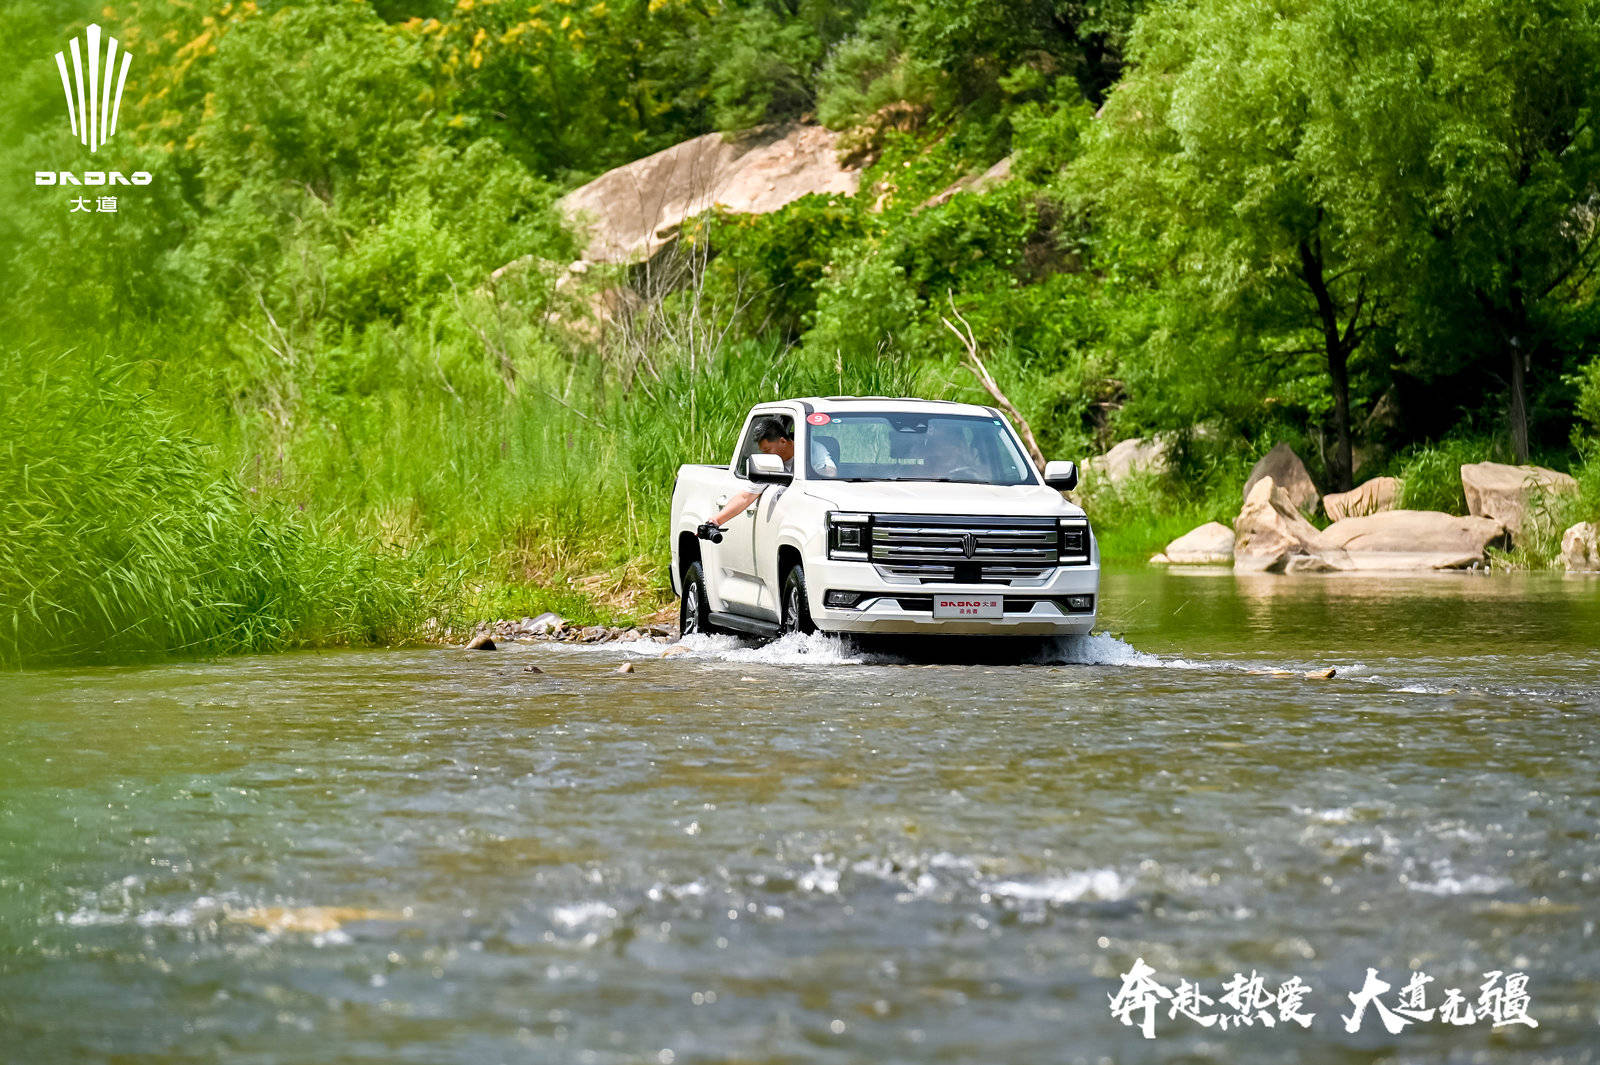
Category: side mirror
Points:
column 1061, row 475
column 767, row 469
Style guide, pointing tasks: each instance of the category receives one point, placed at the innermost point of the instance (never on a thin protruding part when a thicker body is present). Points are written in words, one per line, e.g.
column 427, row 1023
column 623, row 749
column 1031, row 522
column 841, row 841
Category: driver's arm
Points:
column 735, row 507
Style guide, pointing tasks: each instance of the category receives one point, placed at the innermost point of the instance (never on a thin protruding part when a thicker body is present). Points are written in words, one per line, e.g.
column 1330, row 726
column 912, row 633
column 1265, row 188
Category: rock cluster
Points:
column 1368, row 532
column 1270, row 531
column 1285, row 470
column 551, row 626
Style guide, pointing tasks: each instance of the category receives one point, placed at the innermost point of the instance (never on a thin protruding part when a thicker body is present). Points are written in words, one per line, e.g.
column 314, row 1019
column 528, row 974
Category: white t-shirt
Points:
column 821, row 461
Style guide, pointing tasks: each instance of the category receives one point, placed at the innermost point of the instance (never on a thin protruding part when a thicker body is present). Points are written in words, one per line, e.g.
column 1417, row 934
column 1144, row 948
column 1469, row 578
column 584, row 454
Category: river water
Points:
column 814, row 852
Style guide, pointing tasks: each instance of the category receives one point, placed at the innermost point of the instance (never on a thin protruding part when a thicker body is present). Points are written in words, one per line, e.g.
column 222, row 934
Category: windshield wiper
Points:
column 938, row 480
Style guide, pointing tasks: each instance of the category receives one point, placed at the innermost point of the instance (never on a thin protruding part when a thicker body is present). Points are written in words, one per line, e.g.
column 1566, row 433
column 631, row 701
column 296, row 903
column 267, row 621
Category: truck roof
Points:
column 893, row 403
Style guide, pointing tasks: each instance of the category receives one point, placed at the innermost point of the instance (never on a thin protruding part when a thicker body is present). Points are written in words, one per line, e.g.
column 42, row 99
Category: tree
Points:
column 1510, row 186
column 1205, row 165
column 1317, row 172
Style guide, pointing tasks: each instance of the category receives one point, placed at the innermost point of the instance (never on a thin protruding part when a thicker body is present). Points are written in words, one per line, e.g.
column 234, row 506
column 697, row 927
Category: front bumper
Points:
column 894, row 607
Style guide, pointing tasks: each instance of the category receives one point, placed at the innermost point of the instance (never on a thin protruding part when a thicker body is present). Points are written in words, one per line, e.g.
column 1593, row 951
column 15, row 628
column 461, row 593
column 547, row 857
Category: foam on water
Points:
column 1102, row 884
column 822, row 649
column 582, row 913
column 1471, row 884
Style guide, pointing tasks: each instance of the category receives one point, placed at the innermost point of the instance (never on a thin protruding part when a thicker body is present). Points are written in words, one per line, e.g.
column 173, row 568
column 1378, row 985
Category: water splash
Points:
column 823, row 649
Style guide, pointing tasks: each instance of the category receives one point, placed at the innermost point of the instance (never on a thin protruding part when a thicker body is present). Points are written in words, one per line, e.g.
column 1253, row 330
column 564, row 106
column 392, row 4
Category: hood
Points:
column 924, row 497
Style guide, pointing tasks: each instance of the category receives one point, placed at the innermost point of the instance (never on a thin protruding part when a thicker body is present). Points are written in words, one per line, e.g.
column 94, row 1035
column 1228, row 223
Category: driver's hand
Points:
column 710, row 531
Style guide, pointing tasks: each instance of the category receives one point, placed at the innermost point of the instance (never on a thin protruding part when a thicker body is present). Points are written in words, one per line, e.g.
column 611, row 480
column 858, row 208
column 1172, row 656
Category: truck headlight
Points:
column 1074, row 540
column 849, row 536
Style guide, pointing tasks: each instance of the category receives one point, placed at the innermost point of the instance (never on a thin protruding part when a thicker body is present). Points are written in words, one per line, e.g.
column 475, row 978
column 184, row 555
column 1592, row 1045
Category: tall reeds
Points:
column 121, row 536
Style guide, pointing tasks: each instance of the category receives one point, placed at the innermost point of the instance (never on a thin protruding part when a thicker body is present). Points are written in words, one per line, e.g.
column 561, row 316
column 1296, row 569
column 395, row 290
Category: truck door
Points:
column 738, row 582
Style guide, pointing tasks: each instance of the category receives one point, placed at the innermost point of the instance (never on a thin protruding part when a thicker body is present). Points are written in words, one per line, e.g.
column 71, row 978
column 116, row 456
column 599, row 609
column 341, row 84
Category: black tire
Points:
column 796, row 604
column 694, row 608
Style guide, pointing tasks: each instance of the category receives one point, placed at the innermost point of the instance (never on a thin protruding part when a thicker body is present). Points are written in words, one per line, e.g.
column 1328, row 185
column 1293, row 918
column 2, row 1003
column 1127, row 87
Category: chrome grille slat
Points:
column 930, row 549
column 925, row 551
column 1036, row 534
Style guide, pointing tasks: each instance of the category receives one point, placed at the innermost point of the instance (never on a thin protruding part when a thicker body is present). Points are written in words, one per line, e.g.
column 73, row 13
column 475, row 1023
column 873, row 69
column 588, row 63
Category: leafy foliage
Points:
column 332, row 375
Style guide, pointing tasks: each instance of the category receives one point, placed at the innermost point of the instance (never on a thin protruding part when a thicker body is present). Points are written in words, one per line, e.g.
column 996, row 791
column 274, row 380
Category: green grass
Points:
column 120, row 536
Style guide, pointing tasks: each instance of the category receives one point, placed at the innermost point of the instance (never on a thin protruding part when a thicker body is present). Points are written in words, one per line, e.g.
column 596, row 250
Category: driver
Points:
column 773, row 438
column 946, row 453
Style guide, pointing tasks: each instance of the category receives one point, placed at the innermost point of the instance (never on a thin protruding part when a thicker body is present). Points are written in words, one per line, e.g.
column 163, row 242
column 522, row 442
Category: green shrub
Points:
column 1587, row 406
column 1430, row 475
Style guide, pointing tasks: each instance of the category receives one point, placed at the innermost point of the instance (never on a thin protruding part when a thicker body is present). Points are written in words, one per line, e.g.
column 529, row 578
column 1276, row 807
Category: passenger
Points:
column 773, row 438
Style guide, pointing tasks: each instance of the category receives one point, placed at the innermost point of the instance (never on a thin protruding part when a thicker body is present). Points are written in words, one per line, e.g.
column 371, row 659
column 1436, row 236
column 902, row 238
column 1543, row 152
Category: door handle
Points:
column 720, row 502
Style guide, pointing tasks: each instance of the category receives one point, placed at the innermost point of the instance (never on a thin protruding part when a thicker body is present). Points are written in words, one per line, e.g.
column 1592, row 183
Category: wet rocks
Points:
column 546, row 624
column 1507, row 493
column 1413, row 540
column 1370, row 497
column 1270, row 530
column 1210, row 544
column 1580, row 548
column 551, row 626
column 1309, row 674
column 1286, row 471
column 626, row 667
column 309, row 919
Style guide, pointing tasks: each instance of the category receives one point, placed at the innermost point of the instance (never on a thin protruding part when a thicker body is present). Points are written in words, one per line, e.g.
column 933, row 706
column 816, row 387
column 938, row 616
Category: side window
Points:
column 751, row 446
column 747, row 447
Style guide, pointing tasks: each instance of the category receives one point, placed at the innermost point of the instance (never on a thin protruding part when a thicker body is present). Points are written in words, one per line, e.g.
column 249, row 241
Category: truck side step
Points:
column 740, row 623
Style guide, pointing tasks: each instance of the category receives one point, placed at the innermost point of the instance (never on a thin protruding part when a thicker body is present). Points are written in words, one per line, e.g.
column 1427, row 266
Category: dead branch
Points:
column 981, row 372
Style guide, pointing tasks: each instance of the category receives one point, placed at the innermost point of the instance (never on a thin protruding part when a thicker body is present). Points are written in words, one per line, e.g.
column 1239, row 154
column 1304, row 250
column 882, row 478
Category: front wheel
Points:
column 694, row 609
column 796, row 604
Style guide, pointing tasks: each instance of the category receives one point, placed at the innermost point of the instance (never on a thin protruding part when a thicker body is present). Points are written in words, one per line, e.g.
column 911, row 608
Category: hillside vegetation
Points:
column 286, row 395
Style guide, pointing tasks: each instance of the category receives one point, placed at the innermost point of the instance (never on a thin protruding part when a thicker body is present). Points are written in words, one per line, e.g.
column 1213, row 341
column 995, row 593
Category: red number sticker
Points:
column 818, row 419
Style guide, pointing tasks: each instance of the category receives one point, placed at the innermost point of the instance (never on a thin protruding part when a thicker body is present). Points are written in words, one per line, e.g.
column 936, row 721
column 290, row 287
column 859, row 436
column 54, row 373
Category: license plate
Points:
column 968, row 606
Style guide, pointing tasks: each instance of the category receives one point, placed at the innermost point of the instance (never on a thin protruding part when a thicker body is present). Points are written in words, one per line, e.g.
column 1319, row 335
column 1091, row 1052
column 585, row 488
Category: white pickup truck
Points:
column 893, row 516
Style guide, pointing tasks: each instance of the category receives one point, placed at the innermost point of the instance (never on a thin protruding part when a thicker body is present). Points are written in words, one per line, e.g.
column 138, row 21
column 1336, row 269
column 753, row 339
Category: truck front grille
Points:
column 969, row 550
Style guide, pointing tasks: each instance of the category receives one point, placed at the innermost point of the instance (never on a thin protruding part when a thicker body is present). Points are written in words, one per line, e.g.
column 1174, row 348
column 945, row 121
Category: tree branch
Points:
column 979, row 370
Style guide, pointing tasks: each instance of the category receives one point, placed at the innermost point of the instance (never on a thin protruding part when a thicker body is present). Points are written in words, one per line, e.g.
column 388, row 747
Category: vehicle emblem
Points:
column 969, row 544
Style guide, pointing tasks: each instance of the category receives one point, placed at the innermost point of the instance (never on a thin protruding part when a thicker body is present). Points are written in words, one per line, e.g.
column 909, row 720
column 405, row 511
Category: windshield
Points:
column 885, row 446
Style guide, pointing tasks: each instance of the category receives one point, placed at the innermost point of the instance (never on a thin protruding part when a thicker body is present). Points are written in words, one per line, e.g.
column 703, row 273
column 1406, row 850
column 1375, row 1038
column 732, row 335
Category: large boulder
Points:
column 1211, row 543
column 1286, row 470
column 975, row 182
column 631, row 212
column 1126, row 458
column 1380, row 493
column 1271, row 531
column 1580, row 548
column 1412, row 540
column 1506, row 493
